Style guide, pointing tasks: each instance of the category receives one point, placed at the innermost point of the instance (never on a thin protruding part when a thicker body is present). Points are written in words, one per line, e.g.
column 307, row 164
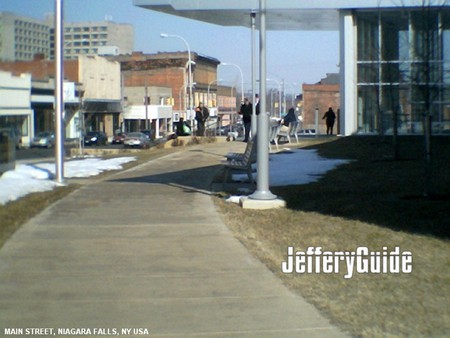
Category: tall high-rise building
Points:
column 91, row 38
column 22, row 37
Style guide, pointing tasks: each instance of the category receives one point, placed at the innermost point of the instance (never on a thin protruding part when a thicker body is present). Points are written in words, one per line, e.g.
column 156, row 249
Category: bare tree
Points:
column 406, row 49
column 426, row 73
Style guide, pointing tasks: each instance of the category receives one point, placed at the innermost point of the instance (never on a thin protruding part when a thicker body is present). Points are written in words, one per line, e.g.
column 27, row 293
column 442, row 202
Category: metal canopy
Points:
column 232, row 13
column 280, row 14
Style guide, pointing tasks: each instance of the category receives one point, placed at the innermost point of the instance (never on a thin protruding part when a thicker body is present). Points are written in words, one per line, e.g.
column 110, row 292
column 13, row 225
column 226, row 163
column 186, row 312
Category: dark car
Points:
column 95, row 138
column 118, row 138
column 137, row 139
column 149, row 133
column 44, row 139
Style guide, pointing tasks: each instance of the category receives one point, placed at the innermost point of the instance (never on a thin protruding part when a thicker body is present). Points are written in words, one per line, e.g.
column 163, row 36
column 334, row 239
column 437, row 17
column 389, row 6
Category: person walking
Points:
column 246, row 112
column 329, row 117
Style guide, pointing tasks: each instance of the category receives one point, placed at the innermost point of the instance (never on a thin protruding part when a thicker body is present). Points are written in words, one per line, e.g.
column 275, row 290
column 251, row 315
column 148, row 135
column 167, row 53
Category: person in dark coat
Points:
column 201, row 115
column 182, row 128
column 329, row 117
column 291, row 116
column 246, row 112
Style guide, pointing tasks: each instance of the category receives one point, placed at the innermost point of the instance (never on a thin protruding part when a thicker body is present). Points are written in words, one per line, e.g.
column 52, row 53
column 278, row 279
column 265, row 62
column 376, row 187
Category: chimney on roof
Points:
column 137, row 55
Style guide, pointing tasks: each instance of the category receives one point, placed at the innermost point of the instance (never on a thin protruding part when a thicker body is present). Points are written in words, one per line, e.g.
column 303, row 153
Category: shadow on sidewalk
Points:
column 190, row 180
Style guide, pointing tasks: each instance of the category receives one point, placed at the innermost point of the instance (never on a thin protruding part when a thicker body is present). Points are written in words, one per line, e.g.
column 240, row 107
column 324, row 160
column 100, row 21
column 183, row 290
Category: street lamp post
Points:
column 242, row 77
column 279, row 95
column 59, row 107
column 293, row 92
column 262, row 192
column 163, row 35
column 146, row 105
column 254, row 121
column 209, row 86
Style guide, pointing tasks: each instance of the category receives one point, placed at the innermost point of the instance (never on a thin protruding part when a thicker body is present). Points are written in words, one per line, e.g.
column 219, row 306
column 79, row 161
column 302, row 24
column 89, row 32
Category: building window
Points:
column 403, row 63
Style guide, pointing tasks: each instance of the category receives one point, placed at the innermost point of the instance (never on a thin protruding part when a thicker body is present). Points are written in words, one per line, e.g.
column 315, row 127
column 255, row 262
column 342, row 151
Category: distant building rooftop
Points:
column 331, row 78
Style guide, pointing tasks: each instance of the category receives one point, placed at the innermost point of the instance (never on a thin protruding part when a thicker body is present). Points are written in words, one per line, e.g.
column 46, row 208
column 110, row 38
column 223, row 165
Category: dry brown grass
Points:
column 372, row 202
column 15, row 213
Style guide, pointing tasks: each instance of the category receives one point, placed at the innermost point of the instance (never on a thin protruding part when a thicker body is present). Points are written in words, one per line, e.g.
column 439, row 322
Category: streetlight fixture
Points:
column 163, row 35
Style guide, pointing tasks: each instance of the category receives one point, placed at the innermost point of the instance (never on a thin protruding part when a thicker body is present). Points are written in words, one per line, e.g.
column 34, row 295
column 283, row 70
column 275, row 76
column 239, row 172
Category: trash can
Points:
column 7, row 150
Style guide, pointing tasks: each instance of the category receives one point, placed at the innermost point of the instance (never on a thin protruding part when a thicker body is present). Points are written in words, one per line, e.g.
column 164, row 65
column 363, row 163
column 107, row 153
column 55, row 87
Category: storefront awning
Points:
column 102, row 107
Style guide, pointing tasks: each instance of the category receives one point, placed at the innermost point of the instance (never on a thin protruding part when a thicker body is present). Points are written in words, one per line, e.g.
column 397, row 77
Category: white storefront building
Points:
column 15, row 104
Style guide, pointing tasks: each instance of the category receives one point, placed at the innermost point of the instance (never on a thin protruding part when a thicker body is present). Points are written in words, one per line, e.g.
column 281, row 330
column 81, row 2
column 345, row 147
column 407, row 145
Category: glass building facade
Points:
column 403, row 70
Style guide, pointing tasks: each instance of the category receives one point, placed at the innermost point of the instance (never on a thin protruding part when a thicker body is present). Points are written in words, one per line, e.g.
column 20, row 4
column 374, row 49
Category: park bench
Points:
column 273, row 132
column 291, row 132
column 241, row 161
column 251, row 147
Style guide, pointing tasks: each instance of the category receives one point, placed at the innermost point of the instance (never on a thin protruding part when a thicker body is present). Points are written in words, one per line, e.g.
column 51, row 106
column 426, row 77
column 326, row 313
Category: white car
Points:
column 44, row 139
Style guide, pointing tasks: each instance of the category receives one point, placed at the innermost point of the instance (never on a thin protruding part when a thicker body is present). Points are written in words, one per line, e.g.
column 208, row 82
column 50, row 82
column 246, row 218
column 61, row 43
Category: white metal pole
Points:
column 209, row 88
column 284, row 96
column 59, row 101
column 242, row 77
column 190, row 86
column 146, row 105
column 189, row 73
column 262, row 185
column 254, row 122
column 316, row 118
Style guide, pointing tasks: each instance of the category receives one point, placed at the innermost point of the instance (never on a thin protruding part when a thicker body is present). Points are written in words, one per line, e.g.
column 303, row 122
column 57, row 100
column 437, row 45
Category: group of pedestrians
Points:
column 291, row 116
column 201, row 116
column 246, row 110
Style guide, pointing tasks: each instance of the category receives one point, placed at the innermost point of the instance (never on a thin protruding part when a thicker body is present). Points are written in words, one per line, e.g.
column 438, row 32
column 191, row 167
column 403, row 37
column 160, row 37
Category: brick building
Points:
column 321, row 95
column 167, row 80
column 170, row 70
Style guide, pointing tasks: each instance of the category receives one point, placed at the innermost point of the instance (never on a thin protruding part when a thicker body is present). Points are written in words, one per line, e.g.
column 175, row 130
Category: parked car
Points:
column 136, row 139
column 95, row 138
column 118, row 138
column 149, row 133
column 44, row 139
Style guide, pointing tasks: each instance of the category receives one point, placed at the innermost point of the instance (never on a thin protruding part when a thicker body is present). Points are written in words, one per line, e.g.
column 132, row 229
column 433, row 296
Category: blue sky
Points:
column 295, row 57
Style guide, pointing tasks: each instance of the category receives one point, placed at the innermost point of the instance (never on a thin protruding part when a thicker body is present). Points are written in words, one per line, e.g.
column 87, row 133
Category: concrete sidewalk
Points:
column 146, row 249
